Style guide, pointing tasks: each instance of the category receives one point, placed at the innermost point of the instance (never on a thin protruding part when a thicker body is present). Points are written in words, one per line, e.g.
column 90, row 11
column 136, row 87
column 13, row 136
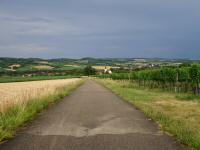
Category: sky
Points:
column 100, row 28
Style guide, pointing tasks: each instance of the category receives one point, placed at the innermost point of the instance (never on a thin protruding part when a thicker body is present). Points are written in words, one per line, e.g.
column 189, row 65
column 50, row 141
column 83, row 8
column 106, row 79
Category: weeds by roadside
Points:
column 177, row 114
column 17, row 115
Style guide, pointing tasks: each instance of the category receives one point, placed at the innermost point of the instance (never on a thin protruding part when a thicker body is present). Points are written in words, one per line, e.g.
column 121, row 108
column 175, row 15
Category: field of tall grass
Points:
column 178, row 114
column 21, row 101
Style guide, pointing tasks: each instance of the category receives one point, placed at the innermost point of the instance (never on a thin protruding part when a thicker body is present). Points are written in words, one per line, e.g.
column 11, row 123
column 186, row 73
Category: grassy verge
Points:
column 7, row 79
column 179, row 114
column 17, row 115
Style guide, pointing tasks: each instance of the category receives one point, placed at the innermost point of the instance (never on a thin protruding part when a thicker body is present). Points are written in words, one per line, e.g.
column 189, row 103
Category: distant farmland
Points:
column 102, row 67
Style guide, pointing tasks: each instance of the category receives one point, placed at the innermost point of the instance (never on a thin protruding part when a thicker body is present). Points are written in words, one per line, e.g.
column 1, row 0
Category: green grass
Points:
column 26, row 68
column 6, row 79
column 177, row 114
column 18, row 115
column 70, row 68
column 188, row 97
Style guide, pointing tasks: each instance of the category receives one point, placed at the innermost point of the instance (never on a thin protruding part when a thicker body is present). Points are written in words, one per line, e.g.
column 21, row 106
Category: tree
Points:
column 88, row 70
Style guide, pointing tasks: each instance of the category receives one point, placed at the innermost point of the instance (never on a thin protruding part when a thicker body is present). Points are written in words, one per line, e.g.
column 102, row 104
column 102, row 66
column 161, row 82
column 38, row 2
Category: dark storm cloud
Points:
column 100, row 28
column 24, row 19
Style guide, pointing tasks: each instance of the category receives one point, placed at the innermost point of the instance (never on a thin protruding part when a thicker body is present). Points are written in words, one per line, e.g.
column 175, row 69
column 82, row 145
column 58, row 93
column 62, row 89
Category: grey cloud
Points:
column 24, row 50
column 13, row 18
column 102, row 28
column 43, row 26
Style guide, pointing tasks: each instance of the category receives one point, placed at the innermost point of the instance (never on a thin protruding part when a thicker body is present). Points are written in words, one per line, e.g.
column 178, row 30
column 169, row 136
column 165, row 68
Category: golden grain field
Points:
column 102, row 67
column 21, row 92
column 72, row 65
column 43, row 67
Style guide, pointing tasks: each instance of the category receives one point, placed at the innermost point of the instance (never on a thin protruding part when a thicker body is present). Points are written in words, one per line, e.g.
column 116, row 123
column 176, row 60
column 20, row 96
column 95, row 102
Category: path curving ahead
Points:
column 91, row 118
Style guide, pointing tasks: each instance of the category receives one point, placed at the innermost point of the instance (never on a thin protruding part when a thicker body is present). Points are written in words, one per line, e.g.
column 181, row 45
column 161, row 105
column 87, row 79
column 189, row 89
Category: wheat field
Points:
column 21, row 92
column 102, row 67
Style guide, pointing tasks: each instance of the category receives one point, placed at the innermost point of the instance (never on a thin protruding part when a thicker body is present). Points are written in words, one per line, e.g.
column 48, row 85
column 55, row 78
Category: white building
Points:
column 107, row 71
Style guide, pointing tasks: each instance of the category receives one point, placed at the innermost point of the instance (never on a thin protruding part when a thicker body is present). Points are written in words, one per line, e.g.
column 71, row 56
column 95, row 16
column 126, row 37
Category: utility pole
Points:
column 177, row 78
column 129, row 76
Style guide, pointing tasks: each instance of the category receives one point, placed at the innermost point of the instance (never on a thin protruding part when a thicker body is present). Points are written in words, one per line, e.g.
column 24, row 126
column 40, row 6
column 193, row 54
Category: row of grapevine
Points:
column 173, row 79
column 166, row 78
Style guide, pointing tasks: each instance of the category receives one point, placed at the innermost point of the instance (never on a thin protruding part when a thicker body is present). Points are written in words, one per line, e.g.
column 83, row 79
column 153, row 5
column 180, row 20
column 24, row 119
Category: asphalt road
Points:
column 91, row 118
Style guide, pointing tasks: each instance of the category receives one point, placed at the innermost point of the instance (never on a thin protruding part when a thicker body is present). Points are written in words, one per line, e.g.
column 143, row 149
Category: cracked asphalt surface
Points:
column 91, row 118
